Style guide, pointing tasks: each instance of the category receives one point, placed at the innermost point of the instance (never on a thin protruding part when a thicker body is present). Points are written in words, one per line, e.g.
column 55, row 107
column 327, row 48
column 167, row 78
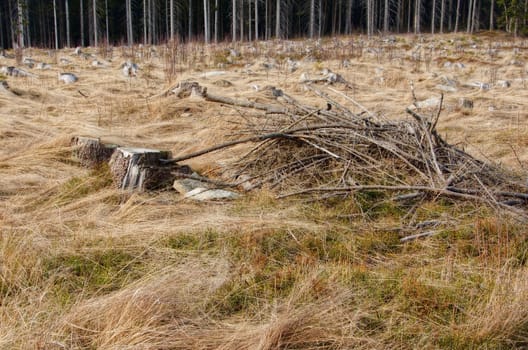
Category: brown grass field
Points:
column 86, row 266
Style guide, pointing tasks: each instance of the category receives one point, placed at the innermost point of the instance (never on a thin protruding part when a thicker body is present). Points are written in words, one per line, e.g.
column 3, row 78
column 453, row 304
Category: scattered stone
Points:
column 429, row 103
column 77, row 51
column 465, row 103
column 28, row 61
column 214, row 73
column 68, row 78
column 16, row 72
column 43, row 66
column 223, row 83
column 63, row 60
column 446, row 88
column 234, row 53
column 503, row 84
column 480, row 85
column 205, row 194
column 185, row 186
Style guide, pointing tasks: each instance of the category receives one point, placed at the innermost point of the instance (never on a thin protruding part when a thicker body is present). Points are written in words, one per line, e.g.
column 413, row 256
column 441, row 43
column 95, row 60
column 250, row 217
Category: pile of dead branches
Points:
column 304, row 150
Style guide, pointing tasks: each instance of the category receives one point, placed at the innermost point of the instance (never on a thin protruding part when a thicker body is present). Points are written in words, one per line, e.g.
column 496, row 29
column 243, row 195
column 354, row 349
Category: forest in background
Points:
column 68, row 23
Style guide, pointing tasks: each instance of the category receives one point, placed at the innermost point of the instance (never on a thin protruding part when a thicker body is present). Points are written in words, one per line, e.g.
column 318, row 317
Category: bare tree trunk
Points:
column 442, row 16
column 266, row 20
column 171, row 19
column 492, row 8
column 206, row 22
column 312, row 19
column 241, row 18
column 26, row 22
column 369, row 18
column 95, row 22
column 250, row 34
column 470, row 16
column 216, row 22
column 55, row 25
column 82, row 23
column 409, row 3
column 67, row 10
column 398, row 16
column 107, row 26
column 320, row 21
column 233, row 25
column 433, row 17
column 386, row 17
column 190, row 19
column 130, row 34
column 277, row 20
column 474, row 18
column 256, row 21
column 417, row 12
column 20, row 24
column 457, row 16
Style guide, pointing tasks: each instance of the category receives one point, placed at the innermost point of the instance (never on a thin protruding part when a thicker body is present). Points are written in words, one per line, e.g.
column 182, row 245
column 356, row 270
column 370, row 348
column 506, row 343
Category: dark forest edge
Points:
column 70, row 23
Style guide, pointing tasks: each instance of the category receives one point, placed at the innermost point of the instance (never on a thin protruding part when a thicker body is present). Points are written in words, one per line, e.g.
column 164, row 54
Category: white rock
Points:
column 43, row 66
column 68, row 78
column 205, row 194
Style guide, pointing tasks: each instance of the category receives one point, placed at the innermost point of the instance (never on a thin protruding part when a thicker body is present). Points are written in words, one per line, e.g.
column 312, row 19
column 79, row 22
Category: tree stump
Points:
column 141, row 169
column 91, row 151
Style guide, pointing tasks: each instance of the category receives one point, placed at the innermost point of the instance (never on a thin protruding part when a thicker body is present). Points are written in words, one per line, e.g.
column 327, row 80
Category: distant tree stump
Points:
column 91, row 151
column 141, row 169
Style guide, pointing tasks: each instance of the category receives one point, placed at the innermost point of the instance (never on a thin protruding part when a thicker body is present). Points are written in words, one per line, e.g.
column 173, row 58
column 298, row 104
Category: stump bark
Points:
column 91, row 151
column 141, row 169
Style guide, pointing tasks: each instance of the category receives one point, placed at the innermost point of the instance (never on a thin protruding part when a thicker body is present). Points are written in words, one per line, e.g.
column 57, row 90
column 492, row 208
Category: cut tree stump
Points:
column 91, row 151
column 141, row 169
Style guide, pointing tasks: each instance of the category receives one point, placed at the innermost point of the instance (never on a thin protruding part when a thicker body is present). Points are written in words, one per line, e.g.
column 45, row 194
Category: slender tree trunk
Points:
column 492, row 8
column 450, row 16
column 398, row 16
column 55, row 25
column 475, row 21
column 277, row 20
column 82, row 23
column 386, row 17
column 417, row 12
column 320, row 21
column 27, row 30
column 20, row 24
column 241, row 18
column 409, row 11
column 457, row 16
column 171, row 19
column 469, row 16
column 216, row 22
column 234, row 22
column 130, row 35
column 206, row 22
column 96, row 42
column 442, row 15
column 266, row 20
column 312, row 19
column 250, row 34
column 433, row 17
column 190, row 19
column 67, row 10
column 256, row 21
column 107, row 26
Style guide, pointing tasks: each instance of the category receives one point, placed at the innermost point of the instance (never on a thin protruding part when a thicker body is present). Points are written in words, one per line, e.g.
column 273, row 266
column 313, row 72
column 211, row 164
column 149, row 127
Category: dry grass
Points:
column 85, row 266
